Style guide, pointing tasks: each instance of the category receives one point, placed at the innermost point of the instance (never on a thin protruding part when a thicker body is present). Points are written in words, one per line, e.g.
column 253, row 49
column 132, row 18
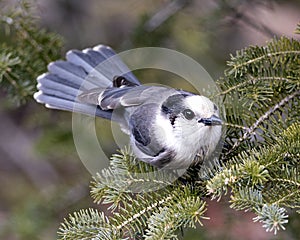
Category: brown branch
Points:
column 164, row 14
column 266, row 115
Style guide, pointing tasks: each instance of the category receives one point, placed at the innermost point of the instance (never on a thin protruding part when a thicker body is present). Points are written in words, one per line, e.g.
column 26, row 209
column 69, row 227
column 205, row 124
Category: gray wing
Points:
column 101, row 62
column 127, row 96
column 141, row 124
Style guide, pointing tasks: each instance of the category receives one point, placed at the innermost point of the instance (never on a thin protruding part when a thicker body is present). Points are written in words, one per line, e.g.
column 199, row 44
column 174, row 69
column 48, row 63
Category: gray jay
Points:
column 167, row 128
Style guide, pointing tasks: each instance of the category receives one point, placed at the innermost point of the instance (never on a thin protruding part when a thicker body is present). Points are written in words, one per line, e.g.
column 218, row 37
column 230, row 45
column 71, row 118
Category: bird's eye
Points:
column 188, row 114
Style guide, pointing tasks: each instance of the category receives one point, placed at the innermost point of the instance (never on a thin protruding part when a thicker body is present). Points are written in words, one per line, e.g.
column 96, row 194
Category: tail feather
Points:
column 82, row 71
column 89, row 65
column 108, row 53
column 72, row 73
column 69, row 105
column 48, row 77
column 87, row 61
column 65, row 92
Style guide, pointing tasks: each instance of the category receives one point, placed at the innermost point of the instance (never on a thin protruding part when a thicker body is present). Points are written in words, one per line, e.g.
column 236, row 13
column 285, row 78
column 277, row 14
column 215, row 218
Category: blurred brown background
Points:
column 42, row 179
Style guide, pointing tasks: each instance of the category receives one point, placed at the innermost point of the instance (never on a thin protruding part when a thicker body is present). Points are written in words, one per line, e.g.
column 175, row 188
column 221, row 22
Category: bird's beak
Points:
column 212, row 121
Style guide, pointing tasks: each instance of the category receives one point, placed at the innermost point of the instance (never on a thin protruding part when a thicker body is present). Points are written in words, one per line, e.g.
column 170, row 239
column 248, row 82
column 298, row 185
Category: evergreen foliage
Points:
column 154, row 214
column 259, row 166
column 27, row 55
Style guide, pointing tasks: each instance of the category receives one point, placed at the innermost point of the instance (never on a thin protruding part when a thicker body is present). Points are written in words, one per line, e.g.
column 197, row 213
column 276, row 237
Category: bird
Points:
column 168, row 128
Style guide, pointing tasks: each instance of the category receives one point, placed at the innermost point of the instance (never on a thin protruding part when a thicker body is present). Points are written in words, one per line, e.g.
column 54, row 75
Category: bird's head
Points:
column 192, row 114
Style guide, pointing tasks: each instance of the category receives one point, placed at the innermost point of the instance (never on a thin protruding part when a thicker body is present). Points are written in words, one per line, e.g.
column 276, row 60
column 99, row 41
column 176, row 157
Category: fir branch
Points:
column 283, row 49
column 262, row 119
column 26, row 52
column 263, row 94
column 246, row 199
column 272, row 217
column 126, row 175
column 246, row 172
column 161, row 226
column 288, row 182
column 114, row 186
column 237, row 67
column 264, row 180
column 164, row 224
column 252, row 80
column 236, row 126
column 84, row 225
column 133, row 213
column 261, row 171
column 125, row 223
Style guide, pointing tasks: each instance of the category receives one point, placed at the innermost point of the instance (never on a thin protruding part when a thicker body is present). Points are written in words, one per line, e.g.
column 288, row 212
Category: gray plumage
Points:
column 82, row 72
column 167, row 127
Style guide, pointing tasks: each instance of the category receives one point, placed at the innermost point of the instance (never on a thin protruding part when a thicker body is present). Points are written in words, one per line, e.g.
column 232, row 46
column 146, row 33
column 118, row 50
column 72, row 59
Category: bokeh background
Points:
column 41, row 176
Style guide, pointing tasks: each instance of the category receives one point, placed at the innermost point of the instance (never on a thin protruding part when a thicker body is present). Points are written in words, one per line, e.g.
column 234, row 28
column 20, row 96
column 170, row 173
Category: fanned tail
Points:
column 82, row 71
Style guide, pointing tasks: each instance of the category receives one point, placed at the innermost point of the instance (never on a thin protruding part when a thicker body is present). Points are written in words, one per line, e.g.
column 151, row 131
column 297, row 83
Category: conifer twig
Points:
column 265, row 116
